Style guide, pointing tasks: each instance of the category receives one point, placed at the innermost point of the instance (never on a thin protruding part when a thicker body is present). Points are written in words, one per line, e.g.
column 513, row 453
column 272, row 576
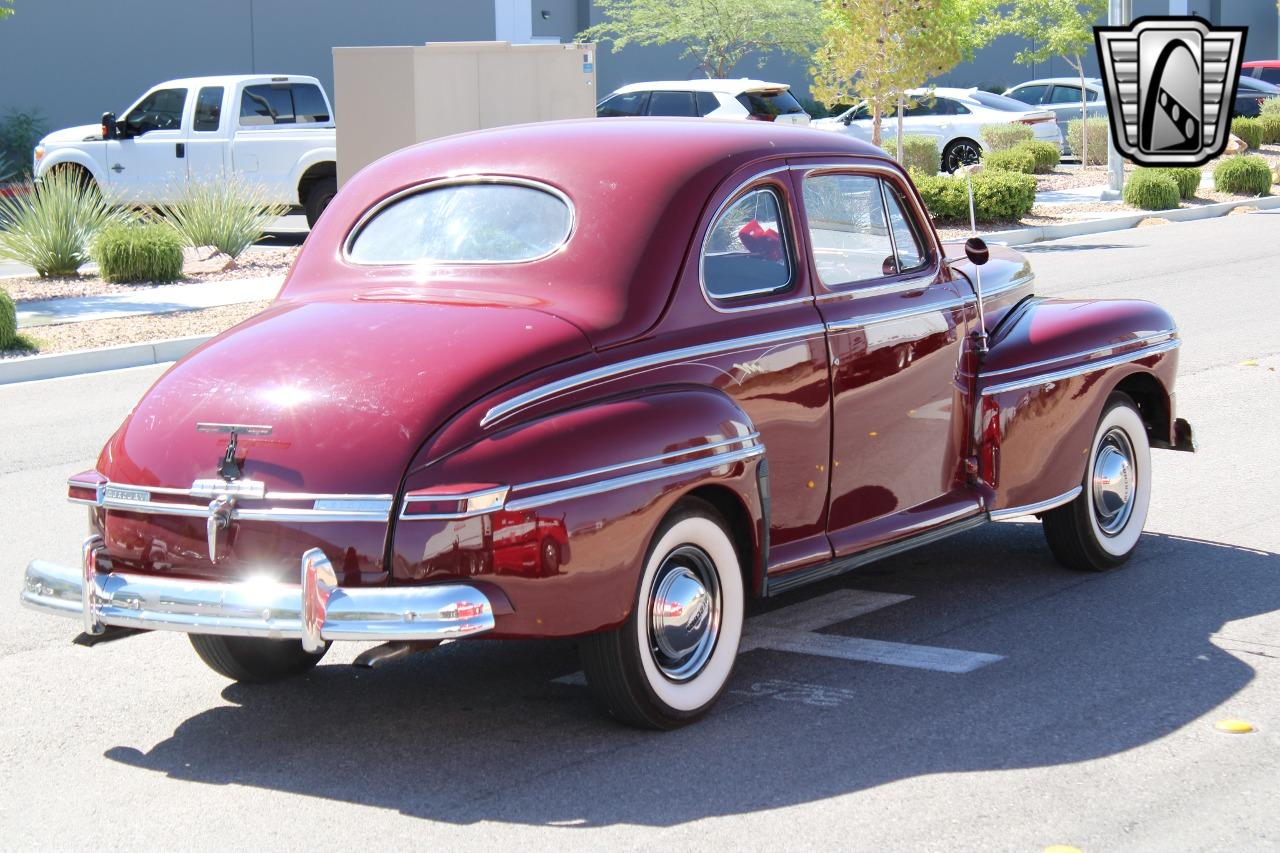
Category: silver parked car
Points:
column 1061, row 96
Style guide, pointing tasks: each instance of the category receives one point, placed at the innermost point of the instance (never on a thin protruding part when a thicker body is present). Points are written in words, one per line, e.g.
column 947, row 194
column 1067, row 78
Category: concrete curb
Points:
column 1038, row 233
column 74, row 363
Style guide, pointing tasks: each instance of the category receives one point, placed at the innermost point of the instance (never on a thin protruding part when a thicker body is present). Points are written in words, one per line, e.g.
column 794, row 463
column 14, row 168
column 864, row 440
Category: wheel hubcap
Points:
column 963, row 155
column 684, row 613
column 1114, row 482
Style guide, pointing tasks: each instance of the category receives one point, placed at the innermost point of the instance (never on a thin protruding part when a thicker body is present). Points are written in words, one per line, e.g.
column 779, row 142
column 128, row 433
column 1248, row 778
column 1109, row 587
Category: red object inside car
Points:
column 760, row 241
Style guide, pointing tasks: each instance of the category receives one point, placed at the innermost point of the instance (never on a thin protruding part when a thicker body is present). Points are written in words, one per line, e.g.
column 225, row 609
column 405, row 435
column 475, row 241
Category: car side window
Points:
column 308, row 104
column 746, row 251
column 909, row 248
column 848, row 233
column 161, row 110
column 262, row 106
column 208, row 109
column 626, row 104
column 1033, row 95
column 1092, row 95
column 707, row 103
column 1065, row 95
column 672, row 104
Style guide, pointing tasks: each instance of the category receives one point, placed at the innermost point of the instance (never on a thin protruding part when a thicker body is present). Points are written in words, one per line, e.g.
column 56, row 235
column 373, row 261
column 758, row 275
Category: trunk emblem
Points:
column 229, row 467
column 224, row 504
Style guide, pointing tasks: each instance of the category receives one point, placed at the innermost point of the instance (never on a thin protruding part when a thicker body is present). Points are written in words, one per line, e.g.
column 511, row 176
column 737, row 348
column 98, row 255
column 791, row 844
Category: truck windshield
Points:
column 464, row 223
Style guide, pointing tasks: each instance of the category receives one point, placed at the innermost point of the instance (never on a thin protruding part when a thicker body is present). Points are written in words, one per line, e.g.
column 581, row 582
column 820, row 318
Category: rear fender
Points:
column 588, row 488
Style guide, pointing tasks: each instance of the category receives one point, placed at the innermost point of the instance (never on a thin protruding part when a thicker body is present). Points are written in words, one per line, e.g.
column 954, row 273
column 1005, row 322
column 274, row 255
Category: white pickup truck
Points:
column 273, row 130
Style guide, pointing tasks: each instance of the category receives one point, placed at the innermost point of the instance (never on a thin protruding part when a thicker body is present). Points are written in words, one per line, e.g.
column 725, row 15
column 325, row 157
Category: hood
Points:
column 350, row 388
column 74, row 134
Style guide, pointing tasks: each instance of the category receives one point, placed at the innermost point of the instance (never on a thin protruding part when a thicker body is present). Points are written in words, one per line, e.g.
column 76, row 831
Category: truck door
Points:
column 147, row 164
column 207, row 146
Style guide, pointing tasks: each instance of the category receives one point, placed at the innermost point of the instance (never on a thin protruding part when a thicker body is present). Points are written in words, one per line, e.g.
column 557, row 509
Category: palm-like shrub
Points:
column 1151, row 189
column 1001, row 137
column 138, row 252
column 1248, row 129
column 1247, row 175
column 919, row 153
column 49, row 226
column 227, row 213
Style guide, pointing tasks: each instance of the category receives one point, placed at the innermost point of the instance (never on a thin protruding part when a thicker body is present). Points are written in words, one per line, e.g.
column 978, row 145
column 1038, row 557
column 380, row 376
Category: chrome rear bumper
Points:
column 315, row 611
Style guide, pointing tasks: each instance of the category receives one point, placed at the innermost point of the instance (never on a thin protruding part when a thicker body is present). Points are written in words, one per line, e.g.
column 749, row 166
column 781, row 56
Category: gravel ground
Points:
column 128, row 330
column 257, row 264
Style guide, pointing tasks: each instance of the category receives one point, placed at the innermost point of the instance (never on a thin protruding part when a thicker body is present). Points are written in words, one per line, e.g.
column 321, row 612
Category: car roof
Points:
column 638, row 188
column 726, row 86
column 1262, row 63
column 235, row 80
column 1066, row 81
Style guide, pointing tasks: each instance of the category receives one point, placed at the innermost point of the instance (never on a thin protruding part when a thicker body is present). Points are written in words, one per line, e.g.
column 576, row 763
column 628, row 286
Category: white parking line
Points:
column 794, row 629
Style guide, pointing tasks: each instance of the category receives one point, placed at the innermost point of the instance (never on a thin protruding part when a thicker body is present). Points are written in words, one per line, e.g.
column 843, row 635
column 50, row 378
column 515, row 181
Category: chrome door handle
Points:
column 117, row 168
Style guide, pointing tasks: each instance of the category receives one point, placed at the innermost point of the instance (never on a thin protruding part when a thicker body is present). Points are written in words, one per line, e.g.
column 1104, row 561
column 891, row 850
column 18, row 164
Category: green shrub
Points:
column 138, row 252
column 1002, row 137
column 20, row 130
column 997, row 196
column 1248, row 129
column 7, row 169
column 226, row 213
column 1016, row 159
column 1151, row 189
column 919, row 153
column 1098, row 130
column 8, row 322
column 1046, row 154
column 1186, row 178
column 1270, row 127
column 49, row 226
column 1246, row 175
column 1271, row 106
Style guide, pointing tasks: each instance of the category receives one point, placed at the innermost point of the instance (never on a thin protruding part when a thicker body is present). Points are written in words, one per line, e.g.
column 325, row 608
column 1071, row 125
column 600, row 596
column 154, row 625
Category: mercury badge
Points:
column 1170, row 84
column 225, row 491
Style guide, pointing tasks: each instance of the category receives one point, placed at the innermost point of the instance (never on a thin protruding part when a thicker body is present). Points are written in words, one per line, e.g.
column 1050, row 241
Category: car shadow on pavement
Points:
column 1093, row 665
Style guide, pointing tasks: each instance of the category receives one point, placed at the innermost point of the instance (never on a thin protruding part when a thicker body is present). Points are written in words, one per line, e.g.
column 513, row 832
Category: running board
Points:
column 813, row 574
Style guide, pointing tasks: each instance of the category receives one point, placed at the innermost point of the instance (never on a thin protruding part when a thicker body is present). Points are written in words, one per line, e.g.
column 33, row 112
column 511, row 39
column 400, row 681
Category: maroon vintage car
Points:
column 609, row 379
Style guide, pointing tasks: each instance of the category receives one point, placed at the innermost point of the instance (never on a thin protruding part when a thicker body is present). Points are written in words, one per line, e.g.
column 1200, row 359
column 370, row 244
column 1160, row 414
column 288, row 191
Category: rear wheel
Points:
column 960, row 152
column 1099, row 530
column 669, row 662
column 253, row 660
column 318, row 198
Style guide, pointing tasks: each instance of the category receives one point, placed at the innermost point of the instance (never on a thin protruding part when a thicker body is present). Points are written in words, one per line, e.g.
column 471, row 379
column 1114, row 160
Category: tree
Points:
column 718, row 33
column 875, row 50
column 1054, row 28
column 6, row 8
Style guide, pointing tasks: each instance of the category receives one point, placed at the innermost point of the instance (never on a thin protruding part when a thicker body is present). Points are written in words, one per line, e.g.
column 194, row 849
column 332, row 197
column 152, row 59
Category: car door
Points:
column 1064, row 102
column 147, row 163
column 207, row 149
column 895, row 330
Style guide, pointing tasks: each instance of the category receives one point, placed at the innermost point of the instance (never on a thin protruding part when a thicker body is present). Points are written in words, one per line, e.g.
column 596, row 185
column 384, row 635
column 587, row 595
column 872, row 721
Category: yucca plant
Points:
column 49, row 226
column 227, row 213
column 7, row 169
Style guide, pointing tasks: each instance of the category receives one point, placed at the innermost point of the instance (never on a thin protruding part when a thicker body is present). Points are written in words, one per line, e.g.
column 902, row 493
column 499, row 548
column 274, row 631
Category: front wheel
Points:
column 254, row 660
column 960, row 152
column 1100, row 529
column 669, row 662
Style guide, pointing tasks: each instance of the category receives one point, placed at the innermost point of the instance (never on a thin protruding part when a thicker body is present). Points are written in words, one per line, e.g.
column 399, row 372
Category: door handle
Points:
column 181, row 149
column 117, row 168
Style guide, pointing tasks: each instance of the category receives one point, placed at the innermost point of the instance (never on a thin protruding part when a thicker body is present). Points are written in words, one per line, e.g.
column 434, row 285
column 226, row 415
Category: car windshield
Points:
column 997, row 102
column 464, row 223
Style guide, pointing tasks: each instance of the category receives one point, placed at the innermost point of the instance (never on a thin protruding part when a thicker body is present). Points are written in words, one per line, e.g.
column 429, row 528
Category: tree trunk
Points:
column 1084, row 116
column 875, row 125
column 902, row 101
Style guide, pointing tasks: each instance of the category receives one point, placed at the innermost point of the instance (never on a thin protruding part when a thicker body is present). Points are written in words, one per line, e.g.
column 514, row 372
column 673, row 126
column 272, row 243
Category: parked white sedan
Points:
column 731, row 99
column 953, row 117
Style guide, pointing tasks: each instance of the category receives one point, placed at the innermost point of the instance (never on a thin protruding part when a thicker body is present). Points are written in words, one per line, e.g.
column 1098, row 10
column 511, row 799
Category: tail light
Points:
column 1040, row 120
column 761, row 117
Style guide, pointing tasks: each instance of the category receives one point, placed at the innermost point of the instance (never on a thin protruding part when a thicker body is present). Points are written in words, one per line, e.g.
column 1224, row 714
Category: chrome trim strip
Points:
column 259, row 609
column 623, row 482
column 247, row 514
column 749, row 440
column 309, row 496
column 855, row 292
column 1089, row 353
column 1032, row 509
column 457, row 180
column 1044, row 378
column 886, row 316
column 553, row 389
column 457, row 496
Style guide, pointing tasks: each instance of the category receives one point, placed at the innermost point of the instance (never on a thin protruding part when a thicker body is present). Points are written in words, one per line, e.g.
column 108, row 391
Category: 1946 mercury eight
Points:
column 608, row 379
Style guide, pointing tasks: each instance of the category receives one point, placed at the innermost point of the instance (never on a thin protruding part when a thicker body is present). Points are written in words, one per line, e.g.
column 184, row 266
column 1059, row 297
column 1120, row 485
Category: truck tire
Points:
column 318, row 198
column 253, row 660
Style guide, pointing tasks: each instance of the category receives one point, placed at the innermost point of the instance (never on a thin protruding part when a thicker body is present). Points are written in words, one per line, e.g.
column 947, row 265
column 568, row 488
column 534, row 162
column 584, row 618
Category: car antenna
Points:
column 976, row 248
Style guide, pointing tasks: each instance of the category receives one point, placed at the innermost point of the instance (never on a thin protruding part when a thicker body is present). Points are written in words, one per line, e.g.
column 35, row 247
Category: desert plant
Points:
column 8, row 322
column 1186, row 177
column 7, row 169
column 1248, row 129
column 20, row 130
column 919, row 153
column 997, row 196
column 1151, row 189
column 138, row 252
column 1270, row 127
column 1271, row 106
column 1002, row 137
column 227, row 213
column 1247, row 175
column 1098, row 130
column 1046, row 154
column 1016, row 159
column 49, row 226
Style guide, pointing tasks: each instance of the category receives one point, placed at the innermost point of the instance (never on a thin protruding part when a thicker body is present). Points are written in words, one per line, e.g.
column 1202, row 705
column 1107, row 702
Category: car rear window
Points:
column 464, row 224
column 998, row 102
column 282, row 103
column 768, row 104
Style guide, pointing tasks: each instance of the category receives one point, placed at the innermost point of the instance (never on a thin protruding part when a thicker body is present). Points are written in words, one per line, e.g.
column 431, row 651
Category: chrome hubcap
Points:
column 1114, row 482
column 684, row 613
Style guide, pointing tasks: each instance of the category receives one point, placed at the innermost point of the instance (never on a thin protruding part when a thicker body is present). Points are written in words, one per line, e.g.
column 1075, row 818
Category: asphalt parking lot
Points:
column 967, row 695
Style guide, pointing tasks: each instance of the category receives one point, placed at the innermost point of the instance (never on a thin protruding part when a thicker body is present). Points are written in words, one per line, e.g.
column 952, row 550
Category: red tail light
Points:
column 761, row 117
column 1034, row 120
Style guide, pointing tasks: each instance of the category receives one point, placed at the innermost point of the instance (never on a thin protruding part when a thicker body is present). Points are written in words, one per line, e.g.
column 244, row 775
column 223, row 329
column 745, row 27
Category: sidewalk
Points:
column 155, row 300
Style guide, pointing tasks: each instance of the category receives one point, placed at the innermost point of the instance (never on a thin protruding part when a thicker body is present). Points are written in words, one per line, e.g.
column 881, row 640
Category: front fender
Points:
column 72, row 156
column 1051, row 367
column 588, row 488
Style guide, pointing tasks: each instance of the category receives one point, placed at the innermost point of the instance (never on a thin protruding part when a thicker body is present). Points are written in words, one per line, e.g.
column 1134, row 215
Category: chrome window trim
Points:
column 791, row 245
column 1158, row 337
column 1013, row 284
column 638, row 478
column 457, row 180
column 1032, row 509
column 560, row 386
column 1080, row 370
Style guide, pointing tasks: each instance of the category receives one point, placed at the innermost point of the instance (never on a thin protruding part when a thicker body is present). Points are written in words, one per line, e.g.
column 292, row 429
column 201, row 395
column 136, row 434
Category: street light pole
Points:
column 1119, row 15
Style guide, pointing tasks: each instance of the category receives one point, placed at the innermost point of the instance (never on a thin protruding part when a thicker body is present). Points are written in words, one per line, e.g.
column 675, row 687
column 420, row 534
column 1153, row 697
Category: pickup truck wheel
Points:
column 669, row 662
column 1100, row 529
column 253, row 660
column 318, row 198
